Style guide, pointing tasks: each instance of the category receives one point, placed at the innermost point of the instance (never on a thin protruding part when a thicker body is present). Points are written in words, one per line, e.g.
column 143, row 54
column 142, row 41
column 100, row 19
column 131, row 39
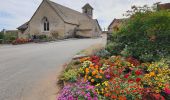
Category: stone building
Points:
column 57, row 21
column 165, row 6
column 115, row 25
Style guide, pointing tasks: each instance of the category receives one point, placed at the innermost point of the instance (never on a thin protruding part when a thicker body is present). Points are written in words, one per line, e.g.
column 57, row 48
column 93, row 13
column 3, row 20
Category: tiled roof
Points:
column 23, row 27
column 117, row 21
column 164, row 6
column 87, row 6
column 70, row 16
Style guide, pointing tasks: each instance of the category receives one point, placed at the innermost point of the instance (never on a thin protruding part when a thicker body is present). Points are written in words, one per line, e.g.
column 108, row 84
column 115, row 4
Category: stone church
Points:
column 57, row 21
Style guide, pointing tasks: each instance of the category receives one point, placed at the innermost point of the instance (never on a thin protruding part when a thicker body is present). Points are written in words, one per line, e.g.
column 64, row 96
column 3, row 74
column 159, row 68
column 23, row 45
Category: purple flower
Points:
column 95, row 98
column 88, row 94
column 89, row 98
column 108, row 76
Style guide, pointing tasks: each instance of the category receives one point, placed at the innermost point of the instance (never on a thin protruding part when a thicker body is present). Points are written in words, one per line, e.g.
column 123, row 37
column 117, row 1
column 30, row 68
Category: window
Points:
column 85, row 11
column 46, row 25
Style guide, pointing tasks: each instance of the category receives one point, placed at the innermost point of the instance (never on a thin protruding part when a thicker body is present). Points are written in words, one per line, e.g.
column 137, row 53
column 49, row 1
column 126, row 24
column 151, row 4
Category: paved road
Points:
column 22, row 67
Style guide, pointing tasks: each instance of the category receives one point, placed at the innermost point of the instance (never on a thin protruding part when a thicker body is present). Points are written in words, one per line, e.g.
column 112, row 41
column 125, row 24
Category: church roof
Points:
column 70, row 16
column 23, row 26
column 73, row 17
column 164, row 6
column 87, row 6
column 118, row 21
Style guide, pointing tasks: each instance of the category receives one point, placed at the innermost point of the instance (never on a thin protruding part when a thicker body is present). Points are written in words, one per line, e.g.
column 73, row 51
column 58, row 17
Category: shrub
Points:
column 10, row 37
column 21, row 41
column 158, row 76
column 41, row 37
column 146, row 36
column 1, row 35
column 114, row 48
column 103, row 53
column 70, row 75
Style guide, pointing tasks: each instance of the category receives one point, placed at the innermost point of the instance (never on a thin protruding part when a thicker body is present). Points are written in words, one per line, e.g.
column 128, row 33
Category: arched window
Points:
column 46, row 25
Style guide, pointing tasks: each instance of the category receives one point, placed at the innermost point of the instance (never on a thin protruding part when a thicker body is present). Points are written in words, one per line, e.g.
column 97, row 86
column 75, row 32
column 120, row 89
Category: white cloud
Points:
column 105, row 11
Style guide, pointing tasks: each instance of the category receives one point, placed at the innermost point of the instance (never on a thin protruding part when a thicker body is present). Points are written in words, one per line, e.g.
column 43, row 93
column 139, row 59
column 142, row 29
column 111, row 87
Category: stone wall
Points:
column 55, row 22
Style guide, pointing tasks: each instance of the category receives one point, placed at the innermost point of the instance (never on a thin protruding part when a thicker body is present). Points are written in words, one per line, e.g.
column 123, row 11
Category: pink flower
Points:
column 167, row 91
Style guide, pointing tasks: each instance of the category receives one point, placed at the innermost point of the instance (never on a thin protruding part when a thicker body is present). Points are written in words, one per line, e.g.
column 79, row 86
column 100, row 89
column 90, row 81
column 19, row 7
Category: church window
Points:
column 46, row 25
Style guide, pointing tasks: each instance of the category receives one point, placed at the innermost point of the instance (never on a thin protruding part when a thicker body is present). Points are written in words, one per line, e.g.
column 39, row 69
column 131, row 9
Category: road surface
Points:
column 28, row 72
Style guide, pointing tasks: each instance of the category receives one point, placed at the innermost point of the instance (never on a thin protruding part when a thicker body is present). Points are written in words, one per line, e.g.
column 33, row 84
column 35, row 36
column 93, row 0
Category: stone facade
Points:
column 57, row 21
column 115, row 25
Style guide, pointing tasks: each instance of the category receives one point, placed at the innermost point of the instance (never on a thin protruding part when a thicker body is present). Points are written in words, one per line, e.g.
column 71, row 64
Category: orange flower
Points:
column 122, row 98
column 91, row 65
column 92, row 80
column 100, row 77
column 107, row 94
column 85, row 78
column 106, row 89
column 87, row 70
column 101, row 71
column 97, row 76
column 97, row 67
column 113, row 97
column 93, row 73
column 152, row 74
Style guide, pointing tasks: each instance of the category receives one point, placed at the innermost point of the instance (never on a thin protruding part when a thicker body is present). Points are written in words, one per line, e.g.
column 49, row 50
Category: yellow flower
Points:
column 89, row 77
column 97, row 84
column 106, row 83
column 92, row 80
column 157, row 91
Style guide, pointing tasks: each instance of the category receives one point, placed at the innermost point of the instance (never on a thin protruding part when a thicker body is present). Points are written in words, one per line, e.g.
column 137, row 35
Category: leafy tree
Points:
column 145, row 36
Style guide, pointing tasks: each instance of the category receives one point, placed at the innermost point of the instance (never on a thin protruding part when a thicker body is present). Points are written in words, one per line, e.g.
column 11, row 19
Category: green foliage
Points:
column 102, row 53
column 41, row 37
column 146, row 36
column 10, row 37
column 70, row 75
column 1, row 35
column 114, row 47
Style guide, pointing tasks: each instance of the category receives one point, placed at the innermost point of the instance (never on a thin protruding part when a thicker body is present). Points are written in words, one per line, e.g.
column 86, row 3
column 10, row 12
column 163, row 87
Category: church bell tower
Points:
column 88, row 10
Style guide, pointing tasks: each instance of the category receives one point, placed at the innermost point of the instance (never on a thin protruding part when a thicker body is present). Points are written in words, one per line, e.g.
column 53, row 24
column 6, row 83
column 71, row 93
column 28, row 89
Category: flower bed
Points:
column 117, row 78
column 21, row 41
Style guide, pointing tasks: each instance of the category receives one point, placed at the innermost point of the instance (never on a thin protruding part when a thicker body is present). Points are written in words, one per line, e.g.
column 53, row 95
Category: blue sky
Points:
column 13, row 13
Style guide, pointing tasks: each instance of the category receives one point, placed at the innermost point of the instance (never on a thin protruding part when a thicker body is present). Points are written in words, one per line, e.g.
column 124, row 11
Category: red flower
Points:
column 138, row 72
column 126, row 76
column 133, row 61
column 130, row 80
column 138, row 79
column 113, row 97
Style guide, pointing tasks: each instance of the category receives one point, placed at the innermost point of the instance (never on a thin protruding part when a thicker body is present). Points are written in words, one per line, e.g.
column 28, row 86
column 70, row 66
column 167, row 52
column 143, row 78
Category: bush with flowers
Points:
column 157, row 77
column 21, row 41
column 119, row 78
column 79, row 91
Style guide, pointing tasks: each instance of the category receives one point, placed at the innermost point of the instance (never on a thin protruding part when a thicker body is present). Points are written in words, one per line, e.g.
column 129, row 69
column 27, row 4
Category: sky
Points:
column 14, row 13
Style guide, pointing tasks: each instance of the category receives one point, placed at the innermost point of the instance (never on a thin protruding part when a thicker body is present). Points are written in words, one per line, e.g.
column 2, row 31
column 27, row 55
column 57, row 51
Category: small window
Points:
column 46, row 25
column 86, row 11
